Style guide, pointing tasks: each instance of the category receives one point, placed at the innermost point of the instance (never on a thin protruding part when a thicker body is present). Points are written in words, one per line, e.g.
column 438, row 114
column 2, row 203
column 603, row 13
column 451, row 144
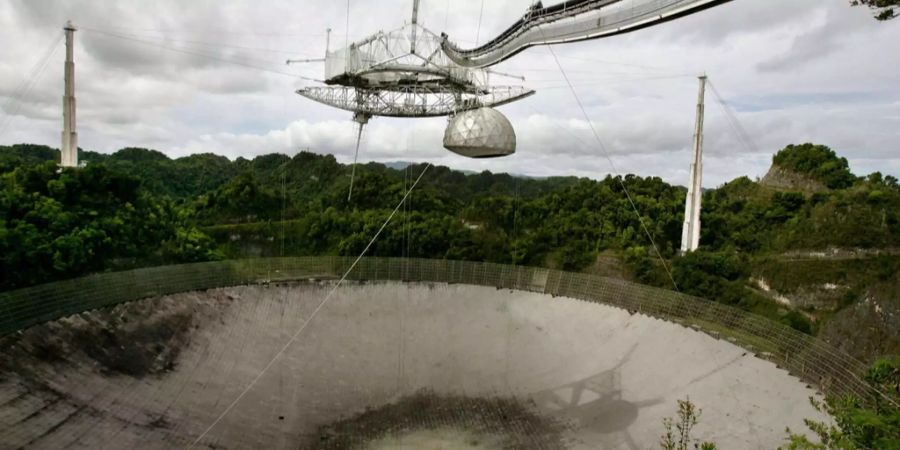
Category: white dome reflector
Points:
column 480, row 133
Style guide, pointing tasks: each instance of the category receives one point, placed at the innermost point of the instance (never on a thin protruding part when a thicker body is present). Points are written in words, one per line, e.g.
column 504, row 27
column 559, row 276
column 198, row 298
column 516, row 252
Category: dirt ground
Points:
column 443, row 422
column 137, row 339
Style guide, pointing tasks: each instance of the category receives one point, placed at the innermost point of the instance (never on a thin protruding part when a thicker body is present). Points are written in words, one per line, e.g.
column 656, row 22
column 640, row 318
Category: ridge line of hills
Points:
column 138, row 207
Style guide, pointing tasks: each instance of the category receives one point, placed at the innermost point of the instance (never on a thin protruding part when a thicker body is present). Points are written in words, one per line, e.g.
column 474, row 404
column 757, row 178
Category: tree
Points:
column 242, row 199
column 717, row 276
column 818, row 162
column 859, row 425
column 57, row 224
column 884, row 9
column 678, row 433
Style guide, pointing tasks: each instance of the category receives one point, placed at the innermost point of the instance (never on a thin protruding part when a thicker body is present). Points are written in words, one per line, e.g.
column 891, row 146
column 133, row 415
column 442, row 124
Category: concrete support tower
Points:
column 69, row 150
column 690, row 235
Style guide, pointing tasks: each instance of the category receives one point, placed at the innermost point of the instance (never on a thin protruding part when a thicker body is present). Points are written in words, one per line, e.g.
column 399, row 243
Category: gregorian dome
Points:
column 480, row 133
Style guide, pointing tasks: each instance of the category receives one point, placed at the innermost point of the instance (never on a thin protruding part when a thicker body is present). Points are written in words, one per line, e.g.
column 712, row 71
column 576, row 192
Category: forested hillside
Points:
column 139, row 207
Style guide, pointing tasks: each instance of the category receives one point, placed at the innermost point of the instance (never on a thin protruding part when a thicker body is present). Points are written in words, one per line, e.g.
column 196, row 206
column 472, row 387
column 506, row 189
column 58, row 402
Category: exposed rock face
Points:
column 428, row 420
column 781, row 178
column 137, row 339
column 868, row 329
column 824, row 297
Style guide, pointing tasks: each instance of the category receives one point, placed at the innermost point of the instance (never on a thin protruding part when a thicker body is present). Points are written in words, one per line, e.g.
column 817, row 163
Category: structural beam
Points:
column 415, row 22
column 69, row 149
column 573, row 21
column 690, row 235
column 412, row 101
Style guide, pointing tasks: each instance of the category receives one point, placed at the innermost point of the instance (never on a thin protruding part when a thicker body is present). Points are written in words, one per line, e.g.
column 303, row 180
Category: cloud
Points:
column 819, row 40
column 210, row 77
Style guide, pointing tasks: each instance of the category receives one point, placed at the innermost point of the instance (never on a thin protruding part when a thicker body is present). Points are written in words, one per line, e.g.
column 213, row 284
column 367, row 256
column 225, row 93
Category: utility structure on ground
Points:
column 69, row 150
column 690, row 235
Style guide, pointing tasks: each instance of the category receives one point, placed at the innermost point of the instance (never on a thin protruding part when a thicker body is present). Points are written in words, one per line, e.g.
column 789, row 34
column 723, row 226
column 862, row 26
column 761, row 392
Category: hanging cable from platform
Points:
column 312, row 316
column 362, row 120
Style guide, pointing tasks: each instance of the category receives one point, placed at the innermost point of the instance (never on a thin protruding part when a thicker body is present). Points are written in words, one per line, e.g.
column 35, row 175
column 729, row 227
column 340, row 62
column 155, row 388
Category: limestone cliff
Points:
column 782, row 178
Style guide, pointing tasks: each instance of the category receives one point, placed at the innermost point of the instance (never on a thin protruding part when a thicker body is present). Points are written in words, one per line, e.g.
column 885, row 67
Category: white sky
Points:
column 796, row 71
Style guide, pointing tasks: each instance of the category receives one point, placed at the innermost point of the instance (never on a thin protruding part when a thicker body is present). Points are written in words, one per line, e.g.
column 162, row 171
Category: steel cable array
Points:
column 14, row 104
column 255, row 65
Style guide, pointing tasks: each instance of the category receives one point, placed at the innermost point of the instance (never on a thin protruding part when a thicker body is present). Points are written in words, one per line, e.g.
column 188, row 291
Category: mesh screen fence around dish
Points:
column 812, row 360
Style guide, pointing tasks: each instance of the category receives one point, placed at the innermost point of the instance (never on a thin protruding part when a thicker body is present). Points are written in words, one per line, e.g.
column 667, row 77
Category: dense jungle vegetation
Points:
column 138, row 207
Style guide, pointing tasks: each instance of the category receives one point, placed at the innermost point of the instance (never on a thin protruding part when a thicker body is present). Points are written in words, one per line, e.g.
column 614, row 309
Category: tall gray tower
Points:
column 690, row 235
column 69, row 150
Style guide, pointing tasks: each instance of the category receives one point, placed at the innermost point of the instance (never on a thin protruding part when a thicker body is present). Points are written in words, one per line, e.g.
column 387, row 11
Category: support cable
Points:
column 532, row 68
column 447, row 16
column 200, row 54
column 607, row 82
column 618, row 63
column 407, row 178
column 213, row 32
column 216, row 45
column 614, row 168
column 480, row 16
column 284, row 168
column 828, row 349
column 742, row 135
column 14, row 104
column 404, row 252
column 313, row 315
column 347, row 28
column 168, row 44
column 515, row 239
column 748, row 142
column 355, row 159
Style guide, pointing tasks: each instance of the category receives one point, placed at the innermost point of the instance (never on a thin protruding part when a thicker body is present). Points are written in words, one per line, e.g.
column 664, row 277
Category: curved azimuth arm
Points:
column 572, row 21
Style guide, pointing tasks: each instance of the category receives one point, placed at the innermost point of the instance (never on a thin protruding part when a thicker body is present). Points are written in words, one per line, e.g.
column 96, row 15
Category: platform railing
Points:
column 806, row 357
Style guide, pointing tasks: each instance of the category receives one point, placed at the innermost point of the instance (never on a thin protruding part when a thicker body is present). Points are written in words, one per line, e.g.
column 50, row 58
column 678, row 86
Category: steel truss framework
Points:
column 573, row 21
column 411, row 101
column 409, row 55
column 405, row 73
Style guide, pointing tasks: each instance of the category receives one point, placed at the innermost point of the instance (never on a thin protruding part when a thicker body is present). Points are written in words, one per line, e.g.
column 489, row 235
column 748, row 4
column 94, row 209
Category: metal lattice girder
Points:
column 412, row 101
column 572, row 21
column 388, row 59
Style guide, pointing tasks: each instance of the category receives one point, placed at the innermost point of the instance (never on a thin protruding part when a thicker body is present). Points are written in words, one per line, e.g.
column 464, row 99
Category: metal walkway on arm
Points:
column 574, row 21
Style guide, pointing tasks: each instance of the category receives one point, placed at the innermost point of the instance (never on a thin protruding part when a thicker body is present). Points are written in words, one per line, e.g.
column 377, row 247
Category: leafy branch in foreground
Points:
column 884, row 8
column 678, row 433
column 857, row 425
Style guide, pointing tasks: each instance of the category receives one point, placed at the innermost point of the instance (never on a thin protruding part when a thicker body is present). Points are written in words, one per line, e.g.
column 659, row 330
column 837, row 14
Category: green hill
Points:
column 140, row 207
column 810, row 166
